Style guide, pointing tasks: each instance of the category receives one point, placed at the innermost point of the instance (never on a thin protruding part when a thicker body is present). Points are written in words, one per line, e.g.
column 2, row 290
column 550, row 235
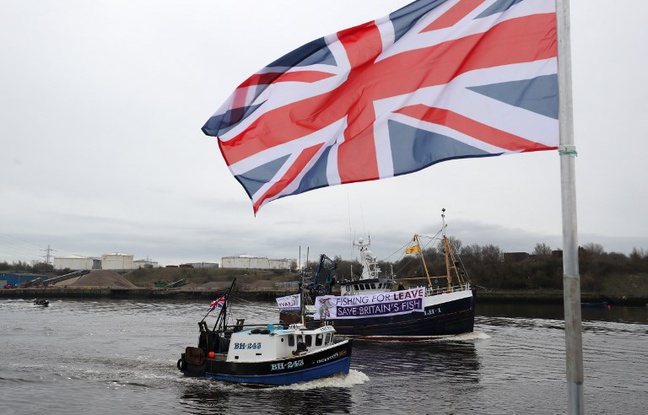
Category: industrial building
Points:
column 114, row 261
column 77, row 262
column 120, row 261
column 209, row 265
column 255, row 262
column 8, row 280
column 117, row 261
column 144, row 263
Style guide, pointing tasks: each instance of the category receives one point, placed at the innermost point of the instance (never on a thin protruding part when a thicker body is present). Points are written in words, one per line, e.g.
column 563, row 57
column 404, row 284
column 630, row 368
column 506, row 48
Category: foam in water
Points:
column 355, row 377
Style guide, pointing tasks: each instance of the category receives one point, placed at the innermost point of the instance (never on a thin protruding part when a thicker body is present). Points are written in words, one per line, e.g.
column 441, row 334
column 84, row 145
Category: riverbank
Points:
column 501, row 297
column 135, row 293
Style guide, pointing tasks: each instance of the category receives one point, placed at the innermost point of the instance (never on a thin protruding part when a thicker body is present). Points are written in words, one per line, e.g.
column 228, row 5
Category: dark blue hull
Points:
column 302, row 368
column 443, row 319
column 451, row 318
column 286, row 378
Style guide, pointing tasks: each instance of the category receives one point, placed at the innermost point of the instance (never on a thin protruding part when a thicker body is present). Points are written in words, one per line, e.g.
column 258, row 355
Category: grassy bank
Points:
column 625, row 290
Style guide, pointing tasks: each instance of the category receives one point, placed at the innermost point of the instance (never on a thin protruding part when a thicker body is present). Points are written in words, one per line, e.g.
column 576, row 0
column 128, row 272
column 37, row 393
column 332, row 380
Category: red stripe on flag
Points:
column 472, row 128
column 357, row 158
column 280, row 126
column 525, row 39
column 357, row 155
column 298, row 166
column 454, row 15
column 361, row 43
column 506, row 43
column 274, row 77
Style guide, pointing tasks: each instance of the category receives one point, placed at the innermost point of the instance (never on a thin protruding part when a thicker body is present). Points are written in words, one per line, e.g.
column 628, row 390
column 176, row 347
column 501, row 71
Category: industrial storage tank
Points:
column 74, row 263
column 117, row 261
column 256, row 262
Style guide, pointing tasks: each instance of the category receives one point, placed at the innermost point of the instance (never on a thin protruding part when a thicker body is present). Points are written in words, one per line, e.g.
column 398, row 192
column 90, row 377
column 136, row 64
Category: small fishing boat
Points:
column 41, row 302
column 264, row 355
column 376, row 307
column 600, row 304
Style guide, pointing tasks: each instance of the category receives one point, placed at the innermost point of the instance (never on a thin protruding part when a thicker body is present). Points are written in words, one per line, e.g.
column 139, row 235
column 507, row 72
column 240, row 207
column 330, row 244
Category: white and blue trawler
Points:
column 265, row 355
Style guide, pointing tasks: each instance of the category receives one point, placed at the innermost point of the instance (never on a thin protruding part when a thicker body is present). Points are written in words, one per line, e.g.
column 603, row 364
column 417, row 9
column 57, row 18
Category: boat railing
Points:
column 268, row 326
column 444, row 290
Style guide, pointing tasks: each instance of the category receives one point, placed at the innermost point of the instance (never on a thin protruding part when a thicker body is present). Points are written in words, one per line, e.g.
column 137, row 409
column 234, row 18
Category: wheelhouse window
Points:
column 319, row 338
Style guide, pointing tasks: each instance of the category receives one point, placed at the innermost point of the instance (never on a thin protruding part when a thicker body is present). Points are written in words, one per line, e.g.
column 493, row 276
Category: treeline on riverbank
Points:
column 490, row 269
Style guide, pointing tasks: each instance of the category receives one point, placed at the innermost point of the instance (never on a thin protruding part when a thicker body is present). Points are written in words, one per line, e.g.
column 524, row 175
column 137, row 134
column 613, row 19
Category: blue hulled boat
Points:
column 273, row 354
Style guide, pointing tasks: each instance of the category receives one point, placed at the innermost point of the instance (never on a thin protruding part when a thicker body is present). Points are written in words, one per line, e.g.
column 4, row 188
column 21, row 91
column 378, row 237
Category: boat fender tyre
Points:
column 182, row 365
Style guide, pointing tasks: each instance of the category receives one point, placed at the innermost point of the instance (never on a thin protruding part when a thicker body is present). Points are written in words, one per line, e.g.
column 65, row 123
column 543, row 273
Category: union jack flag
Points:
column 217, row 303
column 433, row 81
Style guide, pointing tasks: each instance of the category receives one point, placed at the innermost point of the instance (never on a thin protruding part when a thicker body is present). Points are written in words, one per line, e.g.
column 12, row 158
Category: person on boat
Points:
column 301, row 348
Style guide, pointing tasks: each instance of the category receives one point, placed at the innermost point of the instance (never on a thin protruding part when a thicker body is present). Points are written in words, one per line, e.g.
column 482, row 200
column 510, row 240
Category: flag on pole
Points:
column 413, row 250
column 217, row 303
column 433, row 81
column 289, row 302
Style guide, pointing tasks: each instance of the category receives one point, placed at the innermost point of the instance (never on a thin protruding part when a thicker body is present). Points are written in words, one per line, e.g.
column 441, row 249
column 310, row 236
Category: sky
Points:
column 101, row 149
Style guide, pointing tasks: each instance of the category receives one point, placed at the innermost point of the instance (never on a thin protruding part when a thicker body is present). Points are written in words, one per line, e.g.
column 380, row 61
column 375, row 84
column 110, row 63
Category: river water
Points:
column 119, row 357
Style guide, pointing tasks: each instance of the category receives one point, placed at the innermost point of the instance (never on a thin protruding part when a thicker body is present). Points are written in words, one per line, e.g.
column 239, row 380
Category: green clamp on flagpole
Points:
column 567, row 150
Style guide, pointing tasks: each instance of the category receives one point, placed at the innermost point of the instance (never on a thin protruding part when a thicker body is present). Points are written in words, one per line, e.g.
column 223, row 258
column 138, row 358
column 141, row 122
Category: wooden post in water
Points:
column 571, row 277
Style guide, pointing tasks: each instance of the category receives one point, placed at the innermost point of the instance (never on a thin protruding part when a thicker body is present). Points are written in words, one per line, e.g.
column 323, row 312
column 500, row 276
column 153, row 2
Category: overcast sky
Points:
column 101, row 105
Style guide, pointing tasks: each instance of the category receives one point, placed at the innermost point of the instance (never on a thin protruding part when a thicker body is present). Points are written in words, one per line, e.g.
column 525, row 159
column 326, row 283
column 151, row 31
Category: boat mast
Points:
column 221, row 320
column 420, row 250
column 451, row 262
column 302, row 299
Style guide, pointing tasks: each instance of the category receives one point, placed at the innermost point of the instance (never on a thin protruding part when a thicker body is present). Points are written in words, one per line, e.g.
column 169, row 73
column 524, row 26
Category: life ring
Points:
column 182, row 365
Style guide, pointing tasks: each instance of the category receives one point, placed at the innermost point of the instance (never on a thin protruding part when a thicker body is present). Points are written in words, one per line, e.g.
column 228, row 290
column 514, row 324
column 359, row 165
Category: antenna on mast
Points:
column 443, row 224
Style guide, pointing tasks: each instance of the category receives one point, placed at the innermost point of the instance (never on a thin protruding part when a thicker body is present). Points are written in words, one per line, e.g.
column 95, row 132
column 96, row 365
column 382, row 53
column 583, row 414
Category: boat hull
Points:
column 440, row 319
column 446, row 319
column 301, row 368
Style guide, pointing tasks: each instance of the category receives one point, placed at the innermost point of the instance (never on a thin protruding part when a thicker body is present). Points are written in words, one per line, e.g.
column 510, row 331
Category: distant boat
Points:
column 375, row 307
column 41, row 302
column 599, row 304
column 265, row 355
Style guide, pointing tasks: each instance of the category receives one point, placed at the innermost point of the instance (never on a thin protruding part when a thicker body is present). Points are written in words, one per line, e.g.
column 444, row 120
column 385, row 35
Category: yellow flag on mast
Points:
column 413, row 250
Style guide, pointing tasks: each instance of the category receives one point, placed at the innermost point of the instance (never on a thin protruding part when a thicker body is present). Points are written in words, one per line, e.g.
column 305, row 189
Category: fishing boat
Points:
column 264, row 355
column 372, row 281
column 599, row 304
column 376, row 307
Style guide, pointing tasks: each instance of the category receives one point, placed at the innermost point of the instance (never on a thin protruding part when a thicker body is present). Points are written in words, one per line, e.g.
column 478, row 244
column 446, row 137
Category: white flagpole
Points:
column 571, row 277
